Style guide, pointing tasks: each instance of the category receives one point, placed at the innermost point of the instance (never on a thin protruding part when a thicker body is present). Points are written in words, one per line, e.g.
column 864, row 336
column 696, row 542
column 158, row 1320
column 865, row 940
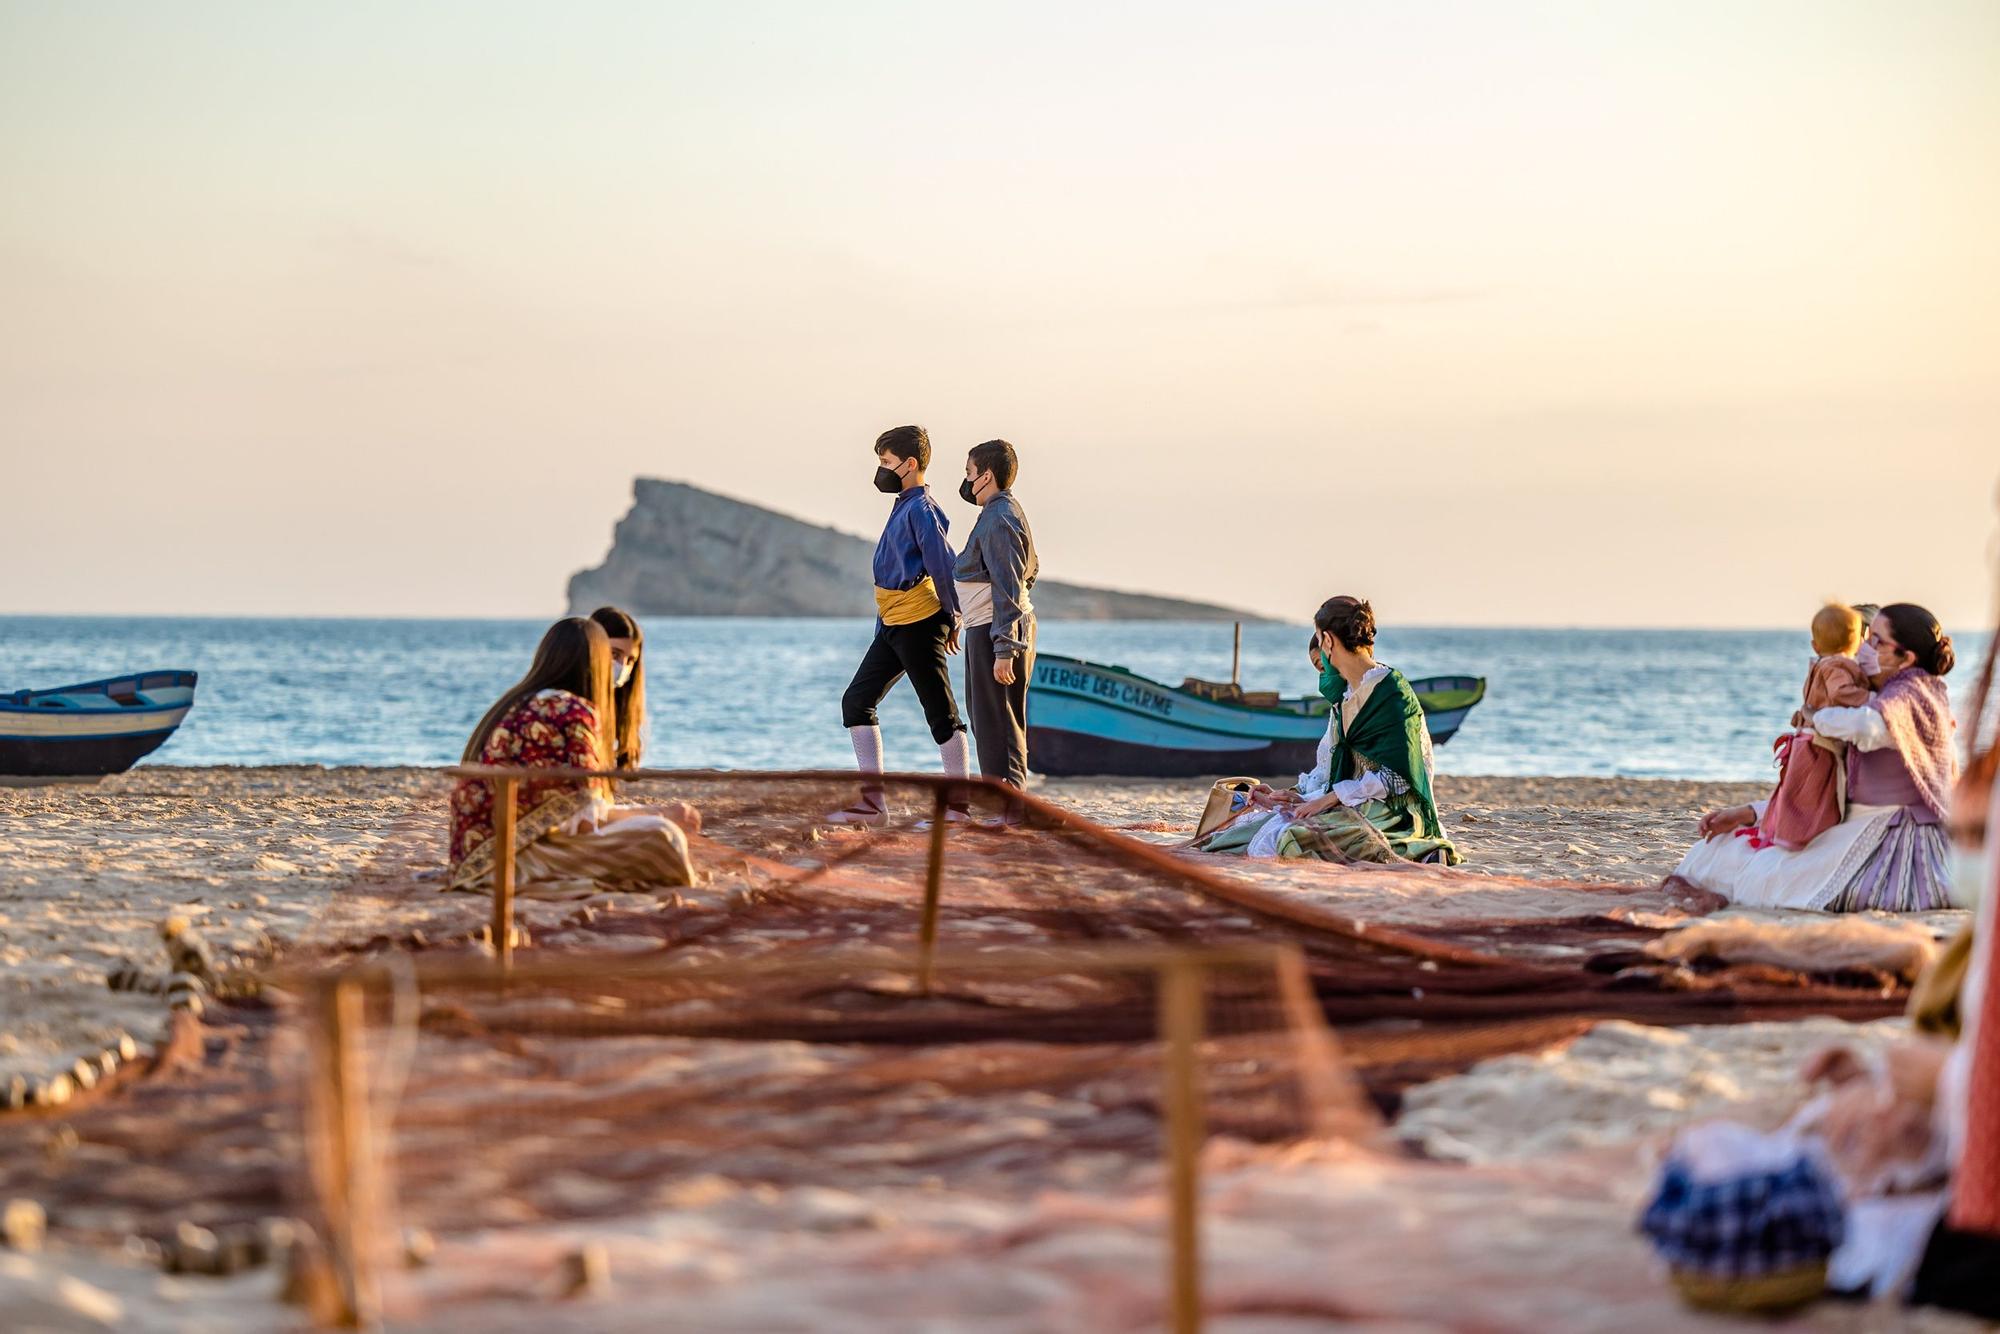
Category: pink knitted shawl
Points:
column 1917, row 708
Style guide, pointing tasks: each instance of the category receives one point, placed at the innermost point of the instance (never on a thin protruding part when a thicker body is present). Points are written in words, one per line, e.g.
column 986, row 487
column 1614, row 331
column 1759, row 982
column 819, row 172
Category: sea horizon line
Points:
column 530, row 617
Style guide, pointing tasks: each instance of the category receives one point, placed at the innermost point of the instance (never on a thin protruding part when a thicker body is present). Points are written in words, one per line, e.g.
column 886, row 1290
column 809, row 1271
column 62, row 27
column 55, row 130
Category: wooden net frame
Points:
column 1323, row 965
column 350, row 1121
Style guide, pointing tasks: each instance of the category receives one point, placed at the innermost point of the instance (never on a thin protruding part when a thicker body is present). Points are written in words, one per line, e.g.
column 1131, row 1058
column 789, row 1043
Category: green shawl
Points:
column 1389, row 730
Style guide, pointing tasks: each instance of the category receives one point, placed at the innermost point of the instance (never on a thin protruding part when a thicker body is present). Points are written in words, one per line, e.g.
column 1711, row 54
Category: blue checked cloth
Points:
column 1746, row 1226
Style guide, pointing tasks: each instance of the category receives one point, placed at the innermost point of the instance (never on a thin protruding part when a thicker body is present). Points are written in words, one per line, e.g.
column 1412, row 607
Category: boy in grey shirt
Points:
column 994, row 575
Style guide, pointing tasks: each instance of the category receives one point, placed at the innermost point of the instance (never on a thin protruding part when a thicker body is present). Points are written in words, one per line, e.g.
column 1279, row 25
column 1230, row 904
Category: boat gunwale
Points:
column 120, row 710
column 185, row 678
column 1264, row 711
column 58, row 738
column 1318, row 718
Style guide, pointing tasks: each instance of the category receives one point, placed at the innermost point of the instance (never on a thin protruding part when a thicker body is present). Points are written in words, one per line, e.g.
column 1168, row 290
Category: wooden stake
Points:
column 1326, row 1095
column 1181, row 985
column 1236, row 658
column 927, row 930
column 349, row 1167
column 503, row 870
column 329, row 1152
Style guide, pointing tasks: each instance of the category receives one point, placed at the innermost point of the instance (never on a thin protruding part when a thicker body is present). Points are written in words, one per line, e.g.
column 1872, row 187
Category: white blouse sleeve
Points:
column 1861, row 725
column 593, row 814
column 1371, row 786
column 1314, row 782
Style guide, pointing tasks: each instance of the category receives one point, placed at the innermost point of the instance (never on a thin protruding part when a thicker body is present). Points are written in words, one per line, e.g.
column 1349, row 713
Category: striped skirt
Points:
column 1909, row 871
column 640, row 854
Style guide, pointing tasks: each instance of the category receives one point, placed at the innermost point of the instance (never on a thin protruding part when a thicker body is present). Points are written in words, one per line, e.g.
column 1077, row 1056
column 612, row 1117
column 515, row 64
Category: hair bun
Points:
column 1945, row 657
column 1348, row 619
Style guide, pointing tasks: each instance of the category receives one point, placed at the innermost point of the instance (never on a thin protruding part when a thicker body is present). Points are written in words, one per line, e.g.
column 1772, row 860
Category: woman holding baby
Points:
column 1888, row 849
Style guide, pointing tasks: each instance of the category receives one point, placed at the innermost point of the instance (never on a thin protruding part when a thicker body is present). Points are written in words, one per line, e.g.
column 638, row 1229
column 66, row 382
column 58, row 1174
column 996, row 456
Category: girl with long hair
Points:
column 568, row 837
column 627, row 643
column 628, row 683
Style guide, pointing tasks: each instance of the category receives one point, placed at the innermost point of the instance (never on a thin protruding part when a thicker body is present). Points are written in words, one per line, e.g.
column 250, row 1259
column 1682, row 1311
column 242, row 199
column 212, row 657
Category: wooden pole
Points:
column 1181, row 984
column 927, row 929
column 350, row 1169
column 329, row 1152
column 1236, row 658
column 503, row 870
column 1327, row 1097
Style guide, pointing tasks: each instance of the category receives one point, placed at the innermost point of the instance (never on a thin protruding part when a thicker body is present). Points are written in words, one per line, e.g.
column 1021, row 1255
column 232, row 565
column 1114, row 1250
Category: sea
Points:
column 765, row 694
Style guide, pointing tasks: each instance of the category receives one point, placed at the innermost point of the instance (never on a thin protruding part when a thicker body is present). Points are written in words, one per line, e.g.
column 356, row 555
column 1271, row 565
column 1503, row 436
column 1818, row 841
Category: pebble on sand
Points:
column 586, row 1271
column 23, row 1225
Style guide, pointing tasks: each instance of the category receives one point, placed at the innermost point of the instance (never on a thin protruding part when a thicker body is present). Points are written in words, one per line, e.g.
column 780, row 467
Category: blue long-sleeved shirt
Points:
column 914, row 544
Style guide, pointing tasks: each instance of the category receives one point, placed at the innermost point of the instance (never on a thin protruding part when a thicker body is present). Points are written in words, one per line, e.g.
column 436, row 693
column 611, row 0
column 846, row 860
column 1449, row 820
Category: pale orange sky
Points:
column 1500, row 313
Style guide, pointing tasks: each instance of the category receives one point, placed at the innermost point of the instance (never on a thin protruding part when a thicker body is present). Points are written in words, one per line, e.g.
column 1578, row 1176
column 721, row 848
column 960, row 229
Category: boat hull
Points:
column 1085, row 719
column 76, row 757
column 93, row 729
column 1059, row 753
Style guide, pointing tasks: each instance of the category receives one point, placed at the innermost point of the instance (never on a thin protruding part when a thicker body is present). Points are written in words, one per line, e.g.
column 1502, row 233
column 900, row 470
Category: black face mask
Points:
column 887, row 480
column 967, row 492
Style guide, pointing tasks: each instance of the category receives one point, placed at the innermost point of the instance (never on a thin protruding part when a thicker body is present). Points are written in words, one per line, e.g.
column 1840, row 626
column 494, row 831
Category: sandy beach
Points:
column 251, row 856
column 730, row 427
column 259, row 859
column 1607, row 830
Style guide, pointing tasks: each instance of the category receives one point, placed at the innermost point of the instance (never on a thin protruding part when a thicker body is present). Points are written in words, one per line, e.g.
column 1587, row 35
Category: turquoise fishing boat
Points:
column 1085, row 718
column 91, row 729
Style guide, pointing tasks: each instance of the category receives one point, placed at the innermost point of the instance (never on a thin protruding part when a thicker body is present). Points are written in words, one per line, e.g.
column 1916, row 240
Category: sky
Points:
column 1605, row 313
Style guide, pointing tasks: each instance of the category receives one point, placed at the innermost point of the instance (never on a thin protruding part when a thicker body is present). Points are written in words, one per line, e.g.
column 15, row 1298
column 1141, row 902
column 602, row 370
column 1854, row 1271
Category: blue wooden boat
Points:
column 92, row 729
column 1088, row 719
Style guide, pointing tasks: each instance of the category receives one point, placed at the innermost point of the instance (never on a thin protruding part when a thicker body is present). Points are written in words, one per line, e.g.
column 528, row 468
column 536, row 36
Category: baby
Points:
column 1836, row 680
column 1811, row 796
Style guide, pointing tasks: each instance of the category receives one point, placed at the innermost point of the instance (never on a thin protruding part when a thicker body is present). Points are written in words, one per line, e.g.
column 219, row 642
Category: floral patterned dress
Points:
column 553, row 729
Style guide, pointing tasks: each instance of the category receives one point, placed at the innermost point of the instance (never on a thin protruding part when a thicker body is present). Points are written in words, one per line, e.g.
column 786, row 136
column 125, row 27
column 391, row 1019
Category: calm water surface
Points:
column 764, row 694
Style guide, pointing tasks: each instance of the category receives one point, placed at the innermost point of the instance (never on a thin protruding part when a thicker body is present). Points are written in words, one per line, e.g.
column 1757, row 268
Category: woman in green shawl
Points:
column 1369, row 798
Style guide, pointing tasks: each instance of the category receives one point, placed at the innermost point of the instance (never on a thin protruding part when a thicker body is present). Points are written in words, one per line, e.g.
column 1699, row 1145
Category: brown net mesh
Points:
column 775, row 1028
column 782, row 881
column 571, row 1090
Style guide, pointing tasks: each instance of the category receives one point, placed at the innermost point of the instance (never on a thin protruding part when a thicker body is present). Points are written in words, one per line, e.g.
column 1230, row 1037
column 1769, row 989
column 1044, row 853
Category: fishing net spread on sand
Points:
column 780, row 880
column 450, row 1099
column 956, row 1007
column 834, row 1023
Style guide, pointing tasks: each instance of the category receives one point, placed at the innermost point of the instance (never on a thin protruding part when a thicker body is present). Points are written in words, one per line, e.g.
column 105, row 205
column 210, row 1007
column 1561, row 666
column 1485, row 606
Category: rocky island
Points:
column 683, row 551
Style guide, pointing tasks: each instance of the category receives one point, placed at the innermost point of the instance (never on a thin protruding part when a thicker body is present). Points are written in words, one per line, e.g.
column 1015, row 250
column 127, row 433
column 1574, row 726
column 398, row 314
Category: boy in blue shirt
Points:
column 916, row 623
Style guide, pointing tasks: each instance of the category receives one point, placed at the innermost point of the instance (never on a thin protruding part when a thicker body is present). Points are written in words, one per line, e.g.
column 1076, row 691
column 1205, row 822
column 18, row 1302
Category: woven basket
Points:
column 1786, row 1290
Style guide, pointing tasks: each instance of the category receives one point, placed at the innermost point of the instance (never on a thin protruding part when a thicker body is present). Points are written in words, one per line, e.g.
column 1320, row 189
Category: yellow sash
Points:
column 910, row 605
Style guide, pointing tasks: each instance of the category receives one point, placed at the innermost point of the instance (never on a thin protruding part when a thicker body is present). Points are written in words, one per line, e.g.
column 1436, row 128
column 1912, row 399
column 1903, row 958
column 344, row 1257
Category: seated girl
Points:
column 1369, row 797
column 628, row 708
column 569, row 840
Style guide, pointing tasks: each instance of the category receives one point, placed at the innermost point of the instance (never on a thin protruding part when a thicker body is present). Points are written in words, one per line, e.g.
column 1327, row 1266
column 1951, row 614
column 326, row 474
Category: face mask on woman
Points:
column 623, row 676
column 1866, row 658
column 1969, row 873
column 1331, row 687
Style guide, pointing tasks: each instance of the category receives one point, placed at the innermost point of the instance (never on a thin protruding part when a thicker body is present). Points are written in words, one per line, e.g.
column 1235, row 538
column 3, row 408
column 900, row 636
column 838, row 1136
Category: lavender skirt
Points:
column 1883, row 857
column 1909, row 871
